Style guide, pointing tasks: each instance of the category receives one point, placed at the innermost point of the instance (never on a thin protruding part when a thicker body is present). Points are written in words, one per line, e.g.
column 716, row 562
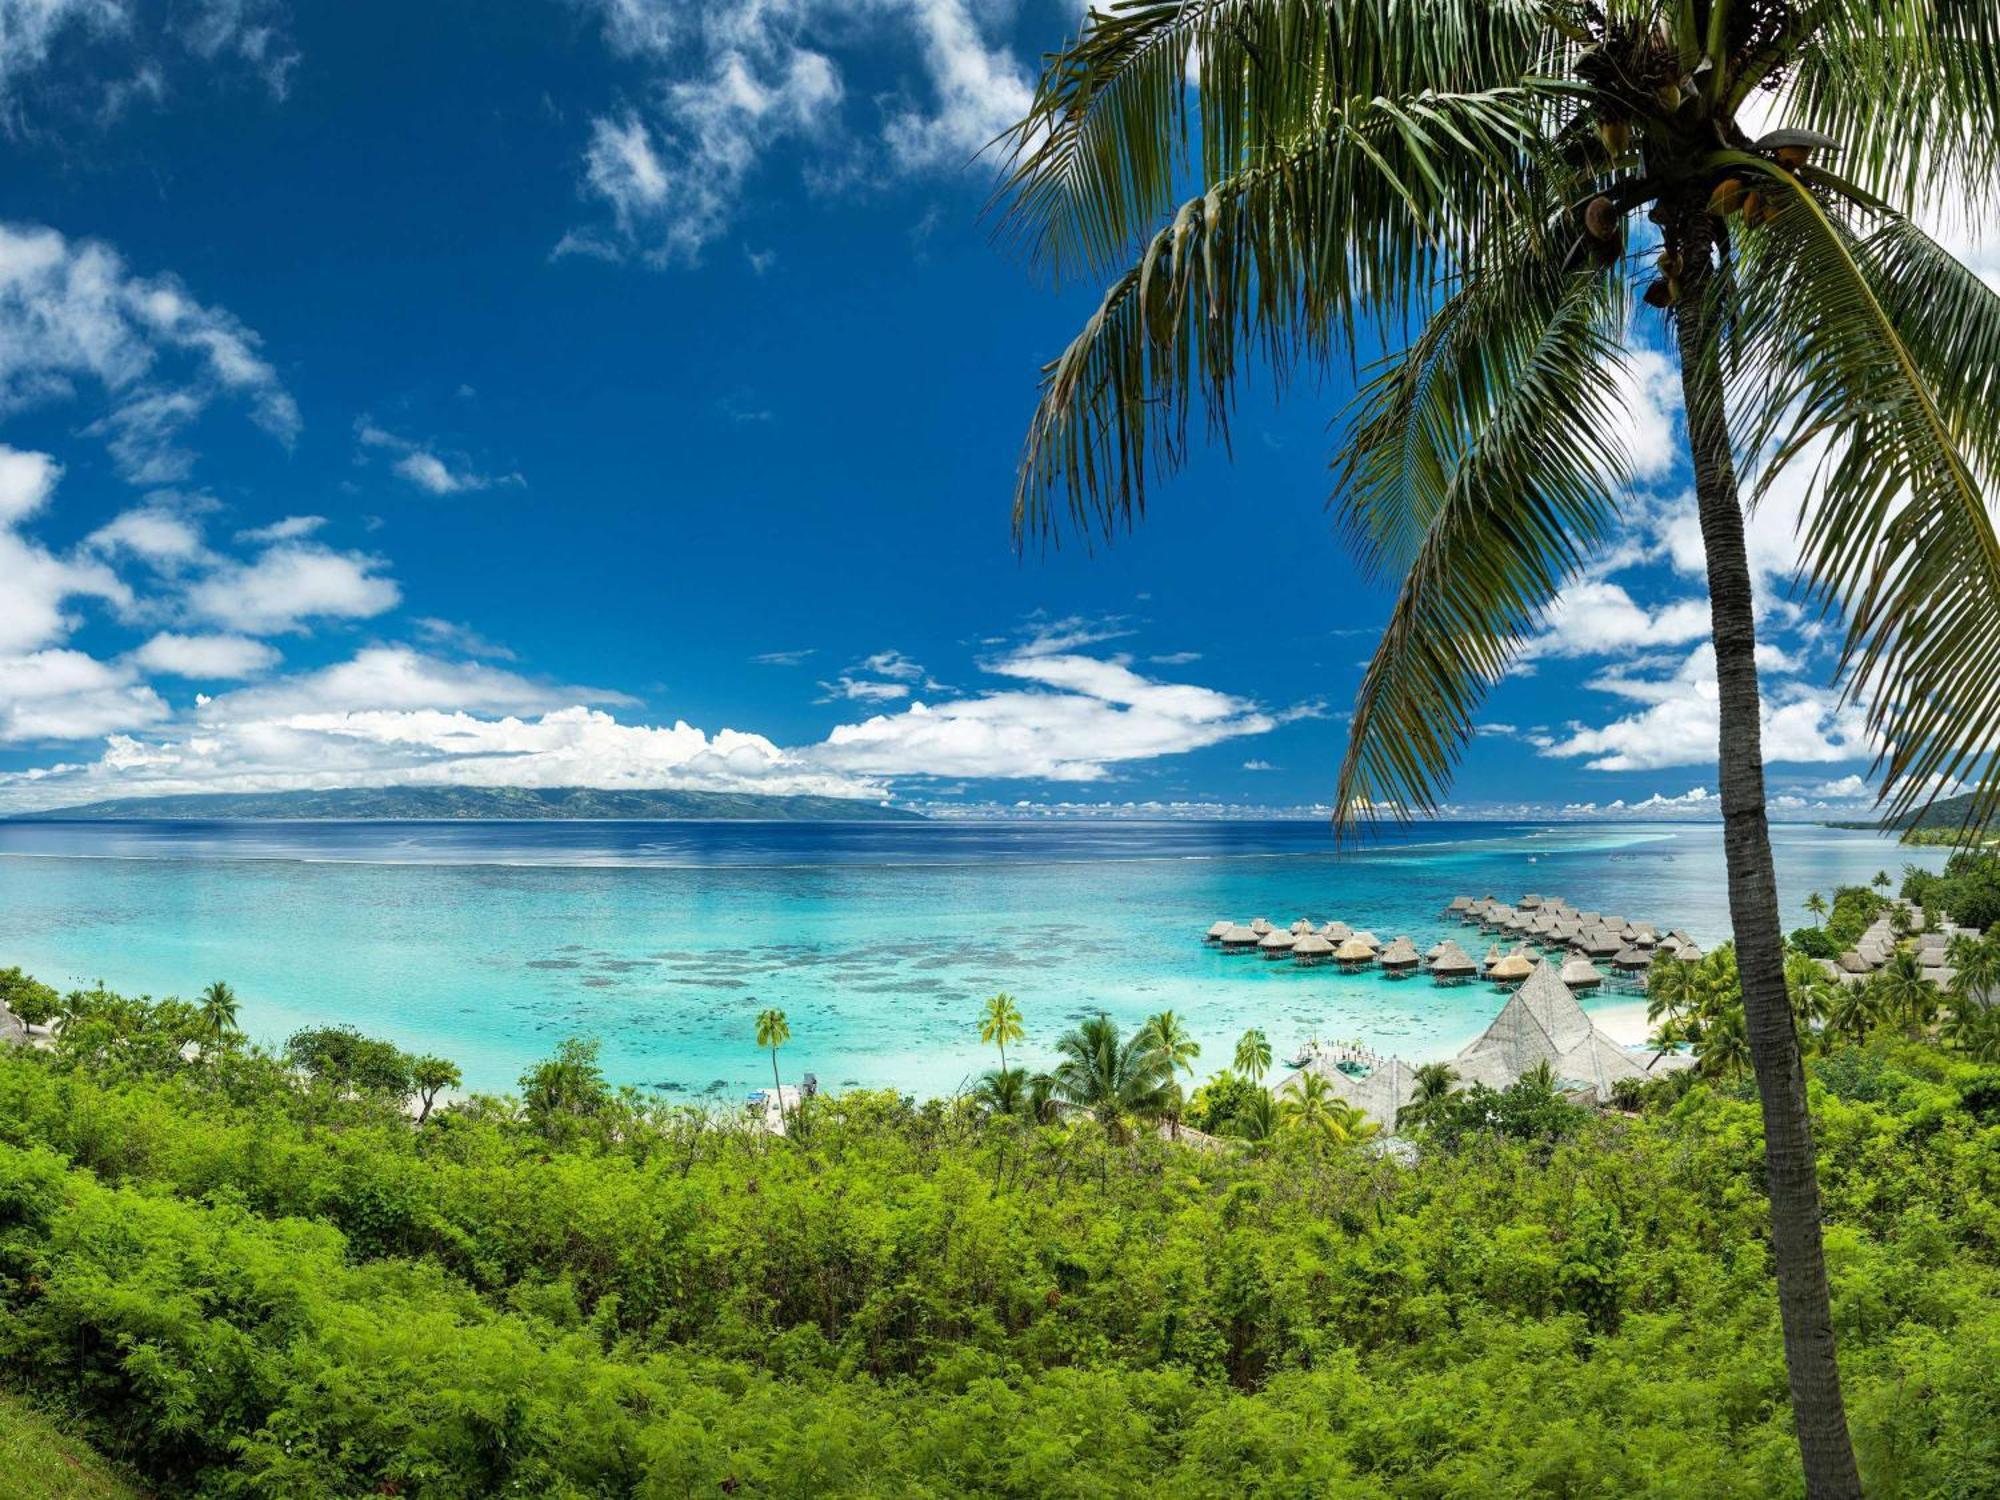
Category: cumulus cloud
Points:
column 1081, row 716
column 206, row 657
column 1680, row 724
column 291, row 583
column 72, row 314
column 735, row 81
column 38, row 585
column 68, row 695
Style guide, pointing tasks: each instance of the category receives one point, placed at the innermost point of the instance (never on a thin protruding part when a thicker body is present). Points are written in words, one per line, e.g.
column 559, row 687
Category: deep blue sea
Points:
column 489, row 942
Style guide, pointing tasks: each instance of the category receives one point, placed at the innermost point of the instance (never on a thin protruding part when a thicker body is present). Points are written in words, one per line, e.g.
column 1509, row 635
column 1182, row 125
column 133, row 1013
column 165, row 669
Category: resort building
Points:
column 1541, row 1022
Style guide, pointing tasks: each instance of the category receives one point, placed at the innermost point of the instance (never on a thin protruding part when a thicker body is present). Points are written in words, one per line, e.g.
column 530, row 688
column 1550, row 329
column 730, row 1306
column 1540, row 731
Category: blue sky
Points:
column 627, row 392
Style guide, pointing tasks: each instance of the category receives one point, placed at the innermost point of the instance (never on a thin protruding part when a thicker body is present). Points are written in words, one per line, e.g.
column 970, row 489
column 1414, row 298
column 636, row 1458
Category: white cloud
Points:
column 291, row 583
column 204, row 656
column 1647, row 399
column 290, row 529
column 1086, row 716
column 67, row 695
column 156, row 534
column 26, row 482
column 36, row 585
column 1681, row 723
column 1597, row 618
column 71, row 312
column 737, row 80
column 423, row 466
column 398, row 679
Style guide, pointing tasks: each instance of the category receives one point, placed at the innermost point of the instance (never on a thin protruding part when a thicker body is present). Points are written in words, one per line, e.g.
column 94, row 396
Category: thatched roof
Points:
column 1217, row 929
column 1301, row 927
column 1459, row 903
column 1633, row 958
column 1277, row 938
column 1541, row 1022
column 1579, row 972
column 1689, row 954
column 1453, row 960
column 1339, row 932
column 1513, row 966
column 1370, row 939
column 1354, row 951
column 1400, row 953
column 1261, row 926
column 1599, row 943
column 1239, row 936
column 1311, row 945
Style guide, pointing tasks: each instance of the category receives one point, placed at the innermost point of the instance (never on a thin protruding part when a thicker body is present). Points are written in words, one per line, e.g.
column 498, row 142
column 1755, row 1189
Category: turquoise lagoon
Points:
column 490, row 942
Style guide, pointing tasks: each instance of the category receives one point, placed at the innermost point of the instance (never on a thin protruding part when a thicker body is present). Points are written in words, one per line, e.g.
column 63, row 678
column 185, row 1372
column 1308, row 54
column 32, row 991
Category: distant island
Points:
column 478, row 802
column 1943, row 822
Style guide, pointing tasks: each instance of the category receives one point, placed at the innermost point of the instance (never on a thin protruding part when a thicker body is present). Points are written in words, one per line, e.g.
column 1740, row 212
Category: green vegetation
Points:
column 399, row 802
column 41, row 1461
column 1291, row 186
column 1968, row 889
column 258, row 1274
column 1949, row 820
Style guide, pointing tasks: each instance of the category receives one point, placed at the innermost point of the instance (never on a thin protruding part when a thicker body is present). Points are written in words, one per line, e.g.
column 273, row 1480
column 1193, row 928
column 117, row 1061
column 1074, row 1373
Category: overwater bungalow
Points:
column 1511, row 970
column 1459, row 906
column 1400, row 959
column 1239, row 939
column 1453, row 965
column 1311, row 949
column 1301, row 927
column 1354, row 954
column 1492, row 957
column 1277, row 943
column 1690, row 954
column 1261, row 926
column 1336, row 933
column 1374, row 943
column 1598, row 942
column 1215, row 932
column 1579, row 973
column 1431, row 953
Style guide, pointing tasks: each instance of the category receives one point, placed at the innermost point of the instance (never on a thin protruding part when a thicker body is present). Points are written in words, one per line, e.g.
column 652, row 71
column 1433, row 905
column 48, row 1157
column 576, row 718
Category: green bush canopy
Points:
column 247, row 1274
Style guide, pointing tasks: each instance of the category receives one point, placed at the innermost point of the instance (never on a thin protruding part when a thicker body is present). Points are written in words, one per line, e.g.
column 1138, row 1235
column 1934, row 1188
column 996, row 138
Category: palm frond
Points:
column 1098, row 160
column 1910, row 89
column 1897, row 534
column 1270, row 264
column 1514, row 486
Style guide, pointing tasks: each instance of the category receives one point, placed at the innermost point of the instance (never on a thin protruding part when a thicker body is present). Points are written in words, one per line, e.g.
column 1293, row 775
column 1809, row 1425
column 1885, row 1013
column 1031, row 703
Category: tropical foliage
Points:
column 240, row 1279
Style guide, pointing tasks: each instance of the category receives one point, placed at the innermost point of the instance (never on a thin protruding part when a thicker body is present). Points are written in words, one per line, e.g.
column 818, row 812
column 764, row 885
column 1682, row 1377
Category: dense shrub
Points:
column 245, row 1283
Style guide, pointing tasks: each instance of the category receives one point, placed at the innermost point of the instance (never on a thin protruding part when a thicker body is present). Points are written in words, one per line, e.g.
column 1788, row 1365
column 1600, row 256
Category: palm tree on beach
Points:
column 1816, row 906
column 1001, row 1023
column 1881, row 882
column 1435, row 1083
column 218, row 1013
column 1117, row 1079
column 1253, row 1055
column 1505, row 175
column 774, row 1031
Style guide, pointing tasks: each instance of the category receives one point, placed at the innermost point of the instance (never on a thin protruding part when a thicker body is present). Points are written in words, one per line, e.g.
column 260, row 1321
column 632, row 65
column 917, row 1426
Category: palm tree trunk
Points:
column 1792, row 1177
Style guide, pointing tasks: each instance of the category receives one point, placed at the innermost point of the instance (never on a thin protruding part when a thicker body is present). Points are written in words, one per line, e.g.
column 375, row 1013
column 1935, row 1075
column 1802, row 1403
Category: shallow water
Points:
column 489, row 942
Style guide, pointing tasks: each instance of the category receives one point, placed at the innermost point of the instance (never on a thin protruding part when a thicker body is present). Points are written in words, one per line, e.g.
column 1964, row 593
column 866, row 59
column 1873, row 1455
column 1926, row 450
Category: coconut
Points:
column 1659, row 294
column 1601, row 218
column 1616, row 135
column 1727, row 197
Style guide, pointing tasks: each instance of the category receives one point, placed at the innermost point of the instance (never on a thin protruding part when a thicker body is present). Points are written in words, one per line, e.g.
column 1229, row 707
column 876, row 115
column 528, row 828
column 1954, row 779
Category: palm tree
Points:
column 218, row 1012
column 1175, row 1044
column 1504, row 174
column 1975, row 1030
column 1975, row 969
column 1854, row 1011
column 1112, row 1077
column 1314, row 1110
column 1435, row 1083
column 1257, row 1120
column 1816, row 905
column 1001, row 1024
column 1905, row 993
column 1004, row 1091
column 773, row 1031
column 1881, row 882
column 1811, row 989
column 1253, row 1055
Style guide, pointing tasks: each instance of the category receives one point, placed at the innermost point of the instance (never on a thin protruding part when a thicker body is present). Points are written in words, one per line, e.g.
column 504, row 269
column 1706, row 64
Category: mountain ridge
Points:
column 475, row 803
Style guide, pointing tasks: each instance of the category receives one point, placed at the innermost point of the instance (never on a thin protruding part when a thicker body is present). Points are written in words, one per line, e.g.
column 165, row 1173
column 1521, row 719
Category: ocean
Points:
column 490, row 942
